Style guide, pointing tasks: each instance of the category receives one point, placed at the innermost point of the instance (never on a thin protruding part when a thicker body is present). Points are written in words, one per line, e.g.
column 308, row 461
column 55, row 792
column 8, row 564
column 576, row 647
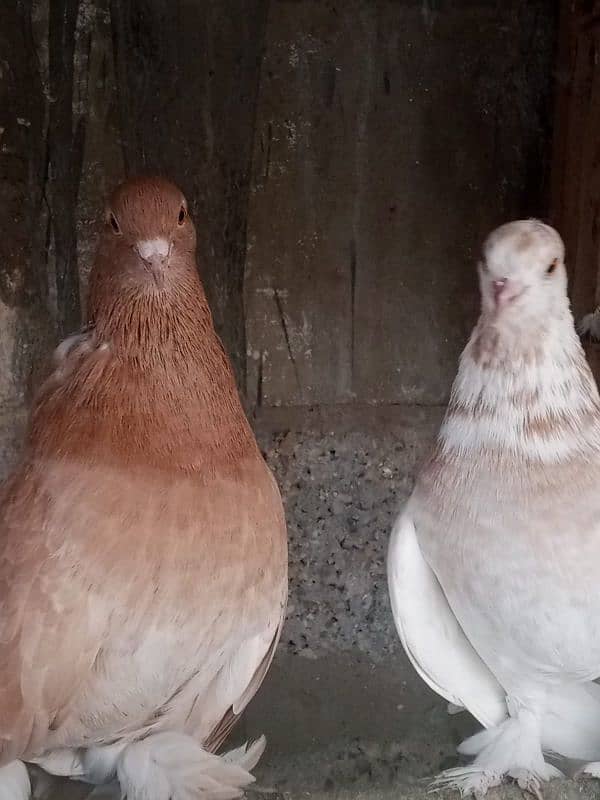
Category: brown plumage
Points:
column 143, row 561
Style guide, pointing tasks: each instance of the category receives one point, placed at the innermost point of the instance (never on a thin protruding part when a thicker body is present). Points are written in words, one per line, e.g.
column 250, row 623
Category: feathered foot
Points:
column 66, row 762
column 173, row 766
column 591, row 770
column 511, row 750
column 590, row 325
column 14, row 782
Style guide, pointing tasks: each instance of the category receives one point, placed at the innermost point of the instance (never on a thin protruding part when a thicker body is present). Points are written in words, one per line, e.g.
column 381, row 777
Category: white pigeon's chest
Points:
column 513, row 559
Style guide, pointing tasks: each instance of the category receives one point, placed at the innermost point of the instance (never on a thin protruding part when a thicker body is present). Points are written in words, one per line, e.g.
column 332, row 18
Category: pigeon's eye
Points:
column 182, row 215
column 114, row 224
column 551, row 268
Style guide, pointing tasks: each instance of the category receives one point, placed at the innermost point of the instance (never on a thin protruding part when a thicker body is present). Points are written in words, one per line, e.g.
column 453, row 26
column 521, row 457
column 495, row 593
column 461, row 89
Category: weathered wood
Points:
column 66, row 134
column 392, row 137
column 25, row 326
column 576, row 159
column 22, row 159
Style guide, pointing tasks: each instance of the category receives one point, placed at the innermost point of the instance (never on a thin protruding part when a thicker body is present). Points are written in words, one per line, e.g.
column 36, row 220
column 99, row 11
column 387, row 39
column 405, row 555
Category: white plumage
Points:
column 494, row 564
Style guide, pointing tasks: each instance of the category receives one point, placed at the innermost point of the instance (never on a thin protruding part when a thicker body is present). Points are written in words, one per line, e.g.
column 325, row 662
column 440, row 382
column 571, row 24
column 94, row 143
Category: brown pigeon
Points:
column 143, row 553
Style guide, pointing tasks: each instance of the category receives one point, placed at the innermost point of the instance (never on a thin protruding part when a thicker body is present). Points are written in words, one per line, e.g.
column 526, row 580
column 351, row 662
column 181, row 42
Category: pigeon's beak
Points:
column 155, row 255
column 499, row 289
column 505, row 291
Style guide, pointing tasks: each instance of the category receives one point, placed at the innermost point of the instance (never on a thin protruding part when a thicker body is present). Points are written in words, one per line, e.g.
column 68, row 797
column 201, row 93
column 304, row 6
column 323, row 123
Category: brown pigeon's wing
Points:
column 79, row 568
column 49, row 637
column 220, row 733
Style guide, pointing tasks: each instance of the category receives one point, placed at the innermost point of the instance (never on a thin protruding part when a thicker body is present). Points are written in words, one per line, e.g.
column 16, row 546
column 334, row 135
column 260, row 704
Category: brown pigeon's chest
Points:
column 177, row 574
column 170, row 535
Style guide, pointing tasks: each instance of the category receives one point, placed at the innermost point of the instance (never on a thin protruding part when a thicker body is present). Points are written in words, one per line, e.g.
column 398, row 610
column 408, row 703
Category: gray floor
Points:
column 342, row 728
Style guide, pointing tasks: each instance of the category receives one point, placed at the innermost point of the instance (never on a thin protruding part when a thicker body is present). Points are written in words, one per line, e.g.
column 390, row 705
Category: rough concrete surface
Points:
column 343, row 481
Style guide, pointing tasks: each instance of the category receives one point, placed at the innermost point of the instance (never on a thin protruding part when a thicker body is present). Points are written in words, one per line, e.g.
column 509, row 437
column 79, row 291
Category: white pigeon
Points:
column 494, row 563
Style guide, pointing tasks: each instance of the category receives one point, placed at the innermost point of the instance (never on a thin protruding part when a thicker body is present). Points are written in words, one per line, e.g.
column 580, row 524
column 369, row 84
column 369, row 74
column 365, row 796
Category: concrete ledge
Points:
column 346, row 418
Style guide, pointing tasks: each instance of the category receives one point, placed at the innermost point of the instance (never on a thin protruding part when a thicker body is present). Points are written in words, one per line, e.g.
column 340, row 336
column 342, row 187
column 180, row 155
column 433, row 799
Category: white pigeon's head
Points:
column 522, row 275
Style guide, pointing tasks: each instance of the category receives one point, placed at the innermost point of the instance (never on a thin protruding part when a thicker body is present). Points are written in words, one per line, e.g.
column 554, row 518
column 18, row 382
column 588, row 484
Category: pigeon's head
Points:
column 148, row 240
column 522, row 274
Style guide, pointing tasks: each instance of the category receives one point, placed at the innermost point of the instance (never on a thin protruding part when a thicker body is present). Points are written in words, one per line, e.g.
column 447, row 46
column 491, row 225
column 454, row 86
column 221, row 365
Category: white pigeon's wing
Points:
column 431, row 635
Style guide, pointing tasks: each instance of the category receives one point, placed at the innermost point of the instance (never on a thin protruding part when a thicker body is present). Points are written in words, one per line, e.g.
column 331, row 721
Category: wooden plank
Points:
column 576, row 157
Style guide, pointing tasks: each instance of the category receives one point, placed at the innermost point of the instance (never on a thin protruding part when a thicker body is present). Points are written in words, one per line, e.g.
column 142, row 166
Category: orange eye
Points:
column 114, row 224
column 551, row 268
column 182, row 215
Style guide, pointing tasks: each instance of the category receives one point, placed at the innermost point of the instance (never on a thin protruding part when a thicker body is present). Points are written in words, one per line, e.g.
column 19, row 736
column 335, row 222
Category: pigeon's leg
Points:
column 14, row 782
column 174, row 766
column 511, row 749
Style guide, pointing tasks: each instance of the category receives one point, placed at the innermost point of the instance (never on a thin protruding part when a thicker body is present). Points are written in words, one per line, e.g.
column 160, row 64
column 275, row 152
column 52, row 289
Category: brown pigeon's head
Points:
column 148, row 241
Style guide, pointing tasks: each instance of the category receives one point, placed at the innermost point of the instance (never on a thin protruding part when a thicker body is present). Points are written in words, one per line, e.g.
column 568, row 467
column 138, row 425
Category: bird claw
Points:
column 528, row 783
column 469, row 781
column 475, row 782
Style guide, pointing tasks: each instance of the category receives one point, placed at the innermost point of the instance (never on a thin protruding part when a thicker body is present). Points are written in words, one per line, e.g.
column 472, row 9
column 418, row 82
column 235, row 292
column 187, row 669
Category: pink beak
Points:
column 500, row 291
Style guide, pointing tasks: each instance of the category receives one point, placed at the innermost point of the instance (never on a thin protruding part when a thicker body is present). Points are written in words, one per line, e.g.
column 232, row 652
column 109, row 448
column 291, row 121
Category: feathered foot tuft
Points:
column 100, row 763
column 510, row 750
column 173, row 766
column 590, row 325
column 66, row 762
column 14, row 782
column 466, row 780
column 591, row 770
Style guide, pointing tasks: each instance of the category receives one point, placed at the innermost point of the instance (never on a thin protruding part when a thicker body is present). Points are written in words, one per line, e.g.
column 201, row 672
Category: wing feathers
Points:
column 431, row 634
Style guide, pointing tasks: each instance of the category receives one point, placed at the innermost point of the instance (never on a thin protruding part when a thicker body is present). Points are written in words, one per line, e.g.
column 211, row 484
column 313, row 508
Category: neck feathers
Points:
column 534, row 400
column 158, row 390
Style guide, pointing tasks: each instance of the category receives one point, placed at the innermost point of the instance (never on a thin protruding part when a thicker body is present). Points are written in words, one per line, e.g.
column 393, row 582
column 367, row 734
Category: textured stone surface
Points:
column 343, row 481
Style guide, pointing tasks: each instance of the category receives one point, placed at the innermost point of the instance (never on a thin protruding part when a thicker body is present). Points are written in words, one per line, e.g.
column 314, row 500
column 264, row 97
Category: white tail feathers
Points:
column 173, row 766
column 14, row 782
